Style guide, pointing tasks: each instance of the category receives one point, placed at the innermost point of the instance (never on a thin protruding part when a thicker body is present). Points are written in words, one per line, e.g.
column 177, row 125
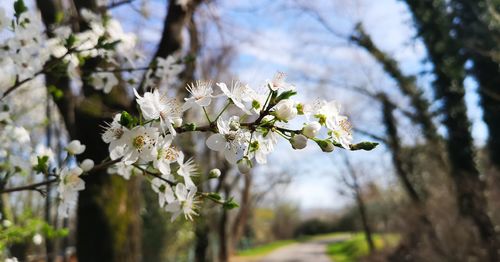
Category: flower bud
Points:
column 87, row 165
column 75, row 147
column 298, row 141
column 311, row 130
column 214, row 173
column 244, row 165
column 325, row 145
column 285, row 110
column 177, row 122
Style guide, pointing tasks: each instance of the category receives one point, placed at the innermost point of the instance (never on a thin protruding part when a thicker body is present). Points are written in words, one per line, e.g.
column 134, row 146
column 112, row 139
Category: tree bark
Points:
column 240, row 221
column 479, row 39
column 434, row 26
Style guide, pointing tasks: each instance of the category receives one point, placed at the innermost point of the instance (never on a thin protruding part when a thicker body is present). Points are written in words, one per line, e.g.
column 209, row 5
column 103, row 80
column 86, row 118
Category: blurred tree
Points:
column 434, row 26
column 351, row 181
column 479, row 36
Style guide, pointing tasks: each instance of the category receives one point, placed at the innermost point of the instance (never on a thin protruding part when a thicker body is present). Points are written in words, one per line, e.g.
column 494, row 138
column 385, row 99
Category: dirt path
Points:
column 314, row 250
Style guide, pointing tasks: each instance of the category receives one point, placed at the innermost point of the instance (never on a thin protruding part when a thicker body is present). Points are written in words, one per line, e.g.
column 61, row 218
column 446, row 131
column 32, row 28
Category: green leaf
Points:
column 19, row 8
column 107, row 45
column 70, row 41
column 364, row 146
column 214, row 196
column 42, row 164
column 127, row 120
column 285, row 95
column 230, row 204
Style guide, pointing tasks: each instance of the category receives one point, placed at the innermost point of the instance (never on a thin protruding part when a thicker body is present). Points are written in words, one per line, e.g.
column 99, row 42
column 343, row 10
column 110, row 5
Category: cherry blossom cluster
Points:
column 26, row 52
column 245, row 130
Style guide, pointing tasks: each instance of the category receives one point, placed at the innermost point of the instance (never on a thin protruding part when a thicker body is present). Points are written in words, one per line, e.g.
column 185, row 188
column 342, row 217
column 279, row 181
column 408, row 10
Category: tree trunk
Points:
column 479, row 39
column 418, row 203
column 242, row 216
column 434, row 26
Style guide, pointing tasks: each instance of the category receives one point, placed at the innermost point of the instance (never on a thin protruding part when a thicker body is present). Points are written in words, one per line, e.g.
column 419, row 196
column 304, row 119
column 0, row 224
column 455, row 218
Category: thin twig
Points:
column 33, row 187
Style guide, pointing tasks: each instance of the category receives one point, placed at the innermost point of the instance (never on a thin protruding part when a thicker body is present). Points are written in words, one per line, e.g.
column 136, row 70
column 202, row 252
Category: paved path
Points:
column 314, row 251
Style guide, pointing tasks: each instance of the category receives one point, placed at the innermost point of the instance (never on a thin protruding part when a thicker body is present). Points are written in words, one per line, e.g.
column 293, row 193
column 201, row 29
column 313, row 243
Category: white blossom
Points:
column 343, row 134
column 186, row 170
column 104, row 81
column 69, row 185
column 285, row 110
column 37, row 239
column 238, row 93
column 113, row 135
column 75, row 147
column 167, row 154
column 168, row 69
column 185, row 202
column 163, row 189
column 264, row 146
column 140, row 144
column 122, row 170
column 279, row 83
column 230, row 140
column 201, row 94
column 155, row 106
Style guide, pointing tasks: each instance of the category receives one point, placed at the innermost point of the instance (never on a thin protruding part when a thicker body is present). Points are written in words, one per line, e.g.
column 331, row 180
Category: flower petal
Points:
column 216, row 142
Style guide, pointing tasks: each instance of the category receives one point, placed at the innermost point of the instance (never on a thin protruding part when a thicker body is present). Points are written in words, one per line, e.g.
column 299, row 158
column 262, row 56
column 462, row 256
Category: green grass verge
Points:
column 356, row 247
column 266, row 248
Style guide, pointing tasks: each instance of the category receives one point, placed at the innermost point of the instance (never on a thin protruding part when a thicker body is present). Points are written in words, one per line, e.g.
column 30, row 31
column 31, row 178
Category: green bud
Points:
column 298, row 141
column 214, row 173
column 244, row 165
column 364, row 146
column 325, row 145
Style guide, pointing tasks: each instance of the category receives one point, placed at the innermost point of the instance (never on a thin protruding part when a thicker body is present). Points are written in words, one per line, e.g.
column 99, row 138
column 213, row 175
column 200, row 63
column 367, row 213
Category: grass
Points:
column 356, row 247
column 266, row 248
